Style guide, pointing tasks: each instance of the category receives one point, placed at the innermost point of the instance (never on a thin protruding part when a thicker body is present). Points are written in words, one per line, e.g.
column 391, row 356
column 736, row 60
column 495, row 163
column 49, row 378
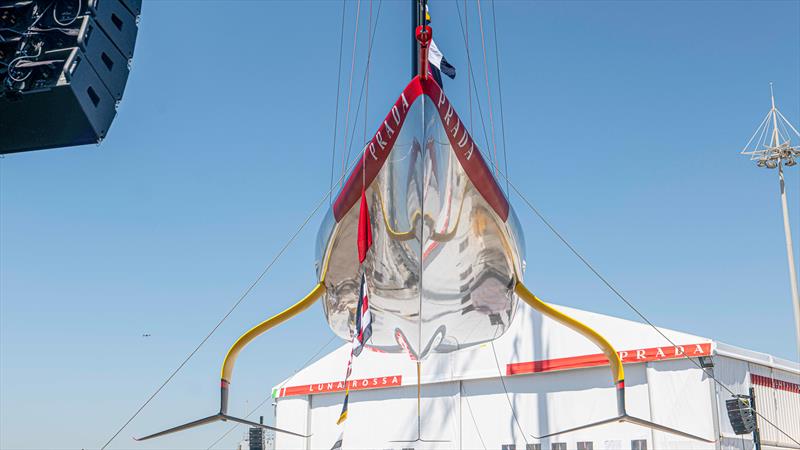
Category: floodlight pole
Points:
column 787, row 229
column 790, row 254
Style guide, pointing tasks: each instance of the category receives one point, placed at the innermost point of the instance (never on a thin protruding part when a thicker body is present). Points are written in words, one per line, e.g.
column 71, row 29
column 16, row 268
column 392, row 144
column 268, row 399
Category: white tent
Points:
column 552, row 379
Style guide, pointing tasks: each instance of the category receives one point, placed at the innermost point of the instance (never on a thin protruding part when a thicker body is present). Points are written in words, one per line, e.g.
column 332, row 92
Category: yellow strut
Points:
column 277, row 319
column 585, row 330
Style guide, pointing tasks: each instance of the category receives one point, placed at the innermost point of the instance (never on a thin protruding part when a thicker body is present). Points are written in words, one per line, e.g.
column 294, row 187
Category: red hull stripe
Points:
column 466, row 151
column 382, row 143
column 339, row 386
column 599, row 359
column 780, row 385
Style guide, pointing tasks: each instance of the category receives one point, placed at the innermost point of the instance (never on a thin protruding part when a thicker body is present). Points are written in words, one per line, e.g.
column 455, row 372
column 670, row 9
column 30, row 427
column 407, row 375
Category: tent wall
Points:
column 775, row 400
column 681, row 398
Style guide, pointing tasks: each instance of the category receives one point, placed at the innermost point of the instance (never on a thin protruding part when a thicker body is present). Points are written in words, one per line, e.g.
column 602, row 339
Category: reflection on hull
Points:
column 445, row 244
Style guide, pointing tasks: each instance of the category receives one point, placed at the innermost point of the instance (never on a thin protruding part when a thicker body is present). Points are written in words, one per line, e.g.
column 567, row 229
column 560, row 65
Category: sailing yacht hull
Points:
column 447, row 246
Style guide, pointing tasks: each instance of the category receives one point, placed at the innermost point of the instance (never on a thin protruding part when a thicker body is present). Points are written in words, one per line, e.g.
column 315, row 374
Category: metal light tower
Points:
column 771, row 147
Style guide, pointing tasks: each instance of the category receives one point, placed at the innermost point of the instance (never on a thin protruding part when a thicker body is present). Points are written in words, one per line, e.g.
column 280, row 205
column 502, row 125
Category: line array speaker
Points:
column 64, row 65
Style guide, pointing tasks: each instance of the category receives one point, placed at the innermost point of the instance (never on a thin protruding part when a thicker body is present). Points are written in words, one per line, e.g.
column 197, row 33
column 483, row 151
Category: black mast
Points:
column 415, row 5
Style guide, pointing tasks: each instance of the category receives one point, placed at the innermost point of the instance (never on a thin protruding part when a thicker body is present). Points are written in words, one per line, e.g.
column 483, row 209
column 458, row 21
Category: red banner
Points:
column 337, row 386
column 599, row 359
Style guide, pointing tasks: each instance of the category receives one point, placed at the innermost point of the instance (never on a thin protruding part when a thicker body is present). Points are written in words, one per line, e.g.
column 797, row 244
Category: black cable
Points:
column 500, row 91
column 469, row 407
column 625, row 300
column 338, row 91
column 587, row 264
column 474, row 86
column 364, row 80
column 230, row 311
column 508, row 398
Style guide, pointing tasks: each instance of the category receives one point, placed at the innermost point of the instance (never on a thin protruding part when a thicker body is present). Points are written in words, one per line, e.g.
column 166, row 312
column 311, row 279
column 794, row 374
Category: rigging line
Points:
column 626, row 301
column 305, row 364
column 366, row 100
column 366, row 76
column 469, row 58
column 474, row 422
column 474, row 86
column 488, row 88
column 230, row 311
column 336, row 114
column 508, row 398
column 350, row 85
column 500, row 92
column 363, row 81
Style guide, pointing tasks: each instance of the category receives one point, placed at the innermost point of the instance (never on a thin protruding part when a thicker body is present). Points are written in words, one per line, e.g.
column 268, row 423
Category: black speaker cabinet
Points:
column 741, row 416
column 118, row 22
column 75, row 109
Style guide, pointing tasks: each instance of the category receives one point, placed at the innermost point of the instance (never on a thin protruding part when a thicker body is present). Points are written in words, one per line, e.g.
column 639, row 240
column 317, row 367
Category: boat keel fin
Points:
column 627, row 419
column 617, row 369
column 186, row 426
column 217, row 418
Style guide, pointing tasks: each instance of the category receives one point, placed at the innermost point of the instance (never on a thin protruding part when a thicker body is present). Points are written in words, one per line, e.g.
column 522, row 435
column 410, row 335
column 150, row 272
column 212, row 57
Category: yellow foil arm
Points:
column 585, row 330
column 277, row 319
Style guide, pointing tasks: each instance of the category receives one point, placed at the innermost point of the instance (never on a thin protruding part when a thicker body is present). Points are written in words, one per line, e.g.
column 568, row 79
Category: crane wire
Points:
column 488, row 88
column 364, row 80
column 230, row 311
column 366, row 75
column 338, row 92
column 350, row 84
column 328, row 194
column 469, row 407
column 505, row 389
column 625, row 300
column 302, row 367
column 469, row 58
column 474, row 85
column 500, row 91
column 603, row 279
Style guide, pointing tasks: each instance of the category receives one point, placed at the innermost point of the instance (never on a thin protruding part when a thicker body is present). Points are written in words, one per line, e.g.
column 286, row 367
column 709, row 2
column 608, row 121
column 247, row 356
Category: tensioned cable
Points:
column 626, row 301
column 474, row 86
column 508, row 397
column 591, row 268
column 500, row 91
column 364, row 80
column 280, row 253
column 338, row 91
column 366, row 76
column 488, row 88
column 469, row 407
column 231, row 310
column 469, row 58
column 350, row 85
column 305, row 364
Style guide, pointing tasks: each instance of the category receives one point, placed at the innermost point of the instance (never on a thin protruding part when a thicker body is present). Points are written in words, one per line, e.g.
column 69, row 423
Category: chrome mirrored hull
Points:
column 446, row 244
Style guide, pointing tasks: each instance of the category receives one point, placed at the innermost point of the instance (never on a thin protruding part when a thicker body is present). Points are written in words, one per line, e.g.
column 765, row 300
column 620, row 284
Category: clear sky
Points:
column 623, row 121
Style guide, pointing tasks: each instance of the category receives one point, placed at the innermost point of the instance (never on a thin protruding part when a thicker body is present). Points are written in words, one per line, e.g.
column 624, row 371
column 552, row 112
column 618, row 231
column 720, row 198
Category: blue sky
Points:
column 623, row 125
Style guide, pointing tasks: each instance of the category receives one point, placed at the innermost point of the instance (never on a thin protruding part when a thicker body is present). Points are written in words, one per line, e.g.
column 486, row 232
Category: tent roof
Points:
column 533, row 343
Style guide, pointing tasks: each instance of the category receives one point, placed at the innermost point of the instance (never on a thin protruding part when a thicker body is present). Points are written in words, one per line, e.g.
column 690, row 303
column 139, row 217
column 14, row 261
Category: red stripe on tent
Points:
column 599, row 359
column 339, row 386
column 378, row 149
column 780, row 385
